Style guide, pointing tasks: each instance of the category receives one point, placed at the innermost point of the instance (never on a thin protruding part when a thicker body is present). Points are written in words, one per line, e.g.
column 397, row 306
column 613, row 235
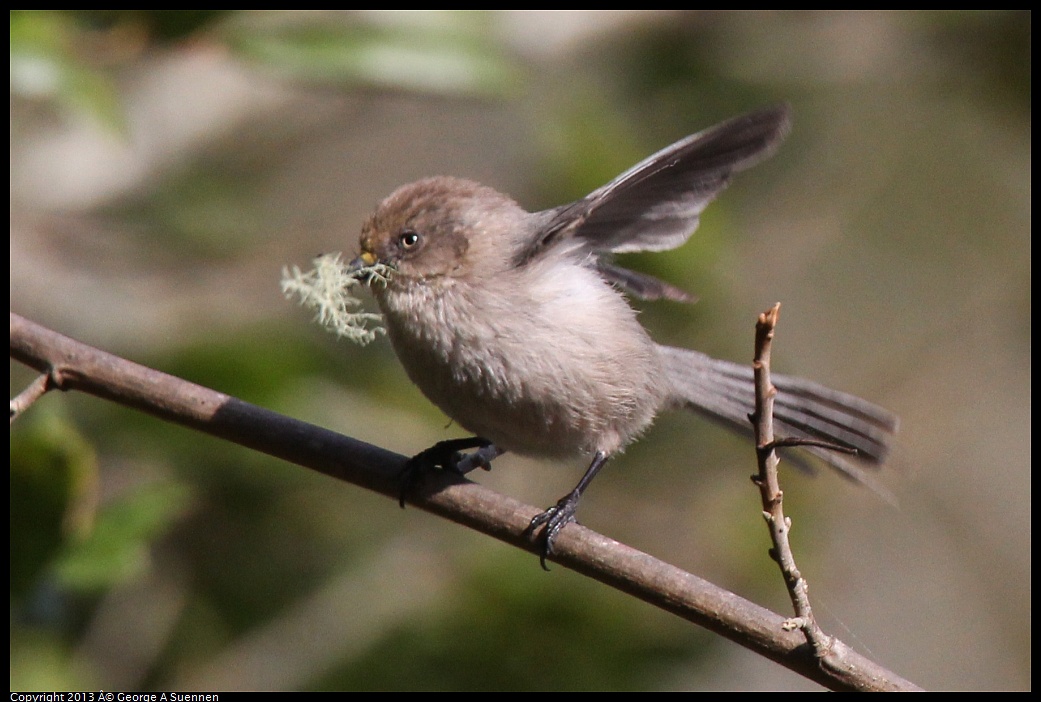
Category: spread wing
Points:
column 655, row 205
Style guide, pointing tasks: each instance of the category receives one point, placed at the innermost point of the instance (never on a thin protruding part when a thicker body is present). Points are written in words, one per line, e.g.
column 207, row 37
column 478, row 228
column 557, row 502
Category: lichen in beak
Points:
column 326, row 290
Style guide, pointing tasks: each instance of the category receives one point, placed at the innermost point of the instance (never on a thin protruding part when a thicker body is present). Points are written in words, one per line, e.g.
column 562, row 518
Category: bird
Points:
column 518, row 324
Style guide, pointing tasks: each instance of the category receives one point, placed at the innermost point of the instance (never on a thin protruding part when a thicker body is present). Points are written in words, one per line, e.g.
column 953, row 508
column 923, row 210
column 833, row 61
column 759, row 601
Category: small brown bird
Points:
column 515, row 323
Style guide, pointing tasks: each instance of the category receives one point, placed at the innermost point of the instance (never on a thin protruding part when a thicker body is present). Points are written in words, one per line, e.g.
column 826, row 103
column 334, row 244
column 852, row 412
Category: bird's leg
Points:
column 446, row 455
column 560, row 515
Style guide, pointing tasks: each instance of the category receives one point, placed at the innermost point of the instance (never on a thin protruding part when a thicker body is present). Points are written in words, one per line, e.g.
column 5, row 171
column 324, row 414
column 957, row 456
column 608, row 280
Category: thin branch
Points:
column 102, row 374
column 33, row 392
column 770, row 487
column 828, row 651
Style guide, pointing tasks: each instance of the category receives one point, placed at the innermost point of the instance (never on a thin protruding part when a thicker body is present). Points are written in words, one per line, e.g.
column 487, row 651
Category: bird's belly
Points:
column 554, row 396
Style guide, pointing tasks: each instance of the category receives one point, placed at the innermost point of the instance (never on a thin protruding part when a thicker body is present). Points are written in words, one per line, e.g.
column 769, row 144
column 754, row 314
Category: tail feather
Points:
column 725, row 391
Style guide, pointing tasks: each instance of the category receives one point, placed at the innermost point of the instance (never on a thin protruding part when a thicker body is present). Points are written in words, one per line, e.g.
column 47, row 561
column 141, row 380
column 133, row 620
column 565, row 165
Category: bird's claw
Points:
column 552, row 521
column 445, row 455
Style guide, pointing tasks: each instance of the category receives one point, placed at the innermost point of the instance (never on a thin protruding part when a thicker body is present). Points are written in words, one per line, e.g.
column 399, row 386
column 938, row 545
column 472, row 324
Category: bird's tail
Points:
column 724, row 391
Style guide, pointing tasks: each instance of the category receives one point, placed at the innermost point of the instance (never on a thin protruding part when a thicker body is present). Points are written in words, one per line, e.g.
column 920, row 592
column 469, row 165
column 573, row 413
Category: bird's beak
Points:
column 364, row 260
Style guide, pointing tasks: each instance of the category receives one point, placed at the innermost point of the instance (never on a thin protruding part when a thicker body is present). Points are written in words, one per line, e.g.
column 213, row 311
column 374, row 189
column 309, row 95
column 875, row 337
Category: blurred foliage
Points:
column 502, row 634
column 103, row 498
column 119, row 543
column 205, row 212
column 46, row 64
column 58, row 528
column 992, row 50
column 70, row 55
column 442, row 53
column 53, row 489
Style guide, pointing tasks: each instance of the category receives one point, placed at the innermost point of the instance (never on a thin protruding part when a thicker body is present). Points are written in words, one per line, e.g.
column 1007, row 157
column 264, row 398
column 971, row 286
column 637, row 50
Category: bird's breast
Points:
column 552, row 367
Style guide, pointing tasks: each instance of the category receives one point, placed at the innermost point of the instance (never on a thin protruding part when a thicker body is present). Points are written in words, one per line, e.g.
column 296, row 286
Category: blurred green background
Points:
column 165, row 166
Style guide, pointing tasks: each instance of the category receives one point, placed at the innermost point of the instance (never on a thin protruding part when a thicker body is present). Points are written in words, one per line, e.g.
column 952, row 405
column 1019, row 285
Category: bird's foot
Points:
column 447, row 455
column 552, row 521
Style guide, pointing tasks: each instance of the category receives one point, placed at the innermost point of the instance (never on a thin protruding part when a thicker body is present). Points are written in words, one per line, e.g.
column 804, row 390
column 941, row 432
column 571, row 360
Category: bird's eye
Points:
column 408, row 239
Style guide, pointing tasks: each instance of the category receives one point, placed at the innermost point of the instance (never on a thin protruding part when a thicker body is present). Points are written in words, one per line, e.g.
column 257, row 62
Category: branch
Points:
column 770, row 488
column 31, row 394
column 71, row 365
column 830, row 654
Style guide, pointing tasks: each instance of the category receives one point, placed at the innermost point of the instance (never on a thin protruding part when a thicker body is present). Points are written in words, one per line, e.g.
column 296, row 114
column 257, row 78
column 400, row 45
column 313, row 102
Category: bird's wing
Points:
column 655, row 205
